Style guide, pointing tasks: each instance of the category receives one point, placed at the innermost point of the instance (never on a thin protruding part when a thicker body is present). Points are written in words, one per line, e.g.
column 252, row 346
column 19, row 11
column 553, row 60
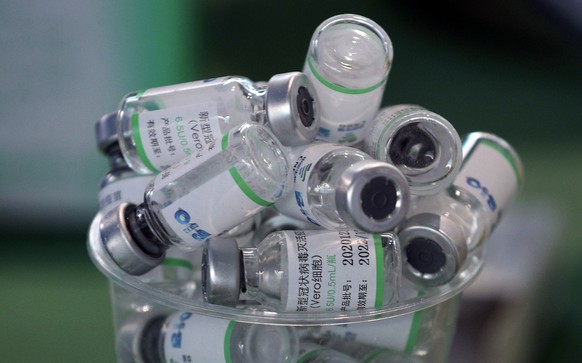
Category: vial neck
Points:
column 140, row 228
column 250, row 273
column 257, row 97
column 115, row 158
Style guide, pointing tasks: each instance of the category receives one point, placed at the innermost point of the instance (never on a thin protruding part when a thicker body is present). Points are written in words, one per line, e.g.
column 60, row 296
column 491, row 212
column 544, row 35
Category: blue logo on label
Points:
column 182, row 216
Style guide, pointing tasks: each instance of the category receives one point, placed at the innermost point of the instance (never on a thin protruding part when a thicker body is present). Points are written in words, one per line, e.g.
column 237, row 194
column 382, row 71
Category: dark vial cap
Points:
column 425, row 255
column 305, row 107
column 413, row 147
column 379, row 198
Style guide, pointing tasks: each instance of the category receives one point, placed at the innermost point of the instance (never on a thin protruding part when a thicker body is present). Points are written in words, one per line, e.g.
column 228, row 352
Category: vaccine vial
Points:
column 422, row 144
column 305, row 271
column 441, row 229
column 348, row 62
column 361, row 352
column 422, row 336
column 160, row 126
column 198, row 198
column 340, row 187
column 120, row 183
column 188, row 337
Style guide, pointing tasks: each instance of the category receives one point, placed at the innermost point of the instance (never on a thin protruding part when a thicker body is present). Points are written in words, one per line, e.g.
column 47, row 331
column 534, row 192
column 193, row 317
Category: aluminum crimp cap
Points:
column 106, row 131
column 121, row 246
column 434, row 248
column 221, row 271
column 373, row 196
column 292, row 108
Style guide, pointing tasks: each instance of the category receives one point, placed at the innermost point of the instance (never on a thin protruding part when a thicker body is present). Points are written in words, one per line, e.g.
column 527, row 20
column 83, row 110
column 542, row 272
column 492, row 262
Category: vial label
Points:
column 398, row 333
column 304, row 159
column 125, row 190
column 186, row 333
column 378, row 131
column 215, row 207
column 165, row 136
column 334, row 271
column 491, row 175
column 344, row 112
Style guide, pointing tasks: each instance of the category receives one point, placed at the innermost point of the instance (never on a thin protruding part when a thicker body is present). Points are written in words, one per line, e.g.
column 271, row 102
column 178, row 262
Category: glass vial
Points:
column 199, row 198
column 160, row 126
column 442, row 228
column 341, row 187
column 305, row 271
column 425, row 335
column 120, row 183
column 188, row 337
column 348, row 62
column 422, row 144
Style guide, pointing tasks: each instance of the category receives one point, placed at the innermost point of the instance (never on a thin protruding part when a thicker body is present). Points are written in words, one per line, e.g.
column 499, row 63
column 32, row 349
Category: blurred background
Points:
column 511, row 67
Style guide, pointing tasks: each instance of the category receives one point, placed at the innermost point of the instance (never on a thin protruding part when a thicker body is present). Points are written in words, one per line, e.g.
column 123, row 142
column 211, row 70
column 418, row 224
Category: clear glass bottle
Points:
column 422, row 144
column 340, row 187
column 440, row 229
column 188, row 337
column 305, row 271
column 348, row 62
column 162, row 125
column 198, row 198
column 422, row 336
column 120, row 183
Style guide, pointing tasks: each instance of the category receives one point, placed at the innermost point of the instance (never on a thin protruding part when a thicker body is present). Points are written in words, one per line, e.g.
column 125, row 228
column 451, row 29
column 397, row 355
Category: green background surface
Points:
column 504, row 68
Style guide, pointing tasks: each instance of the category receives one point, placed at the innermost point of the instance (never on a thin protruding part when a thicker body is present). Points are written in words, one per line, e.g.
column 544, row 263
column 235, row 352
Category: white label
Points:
column 166, row 136
column 334, row 271
column 129, row 190
column 489, row 174
column 196, row 338
column 398, row 333
column 304, row 159
column 344, row 113
column 215, row 207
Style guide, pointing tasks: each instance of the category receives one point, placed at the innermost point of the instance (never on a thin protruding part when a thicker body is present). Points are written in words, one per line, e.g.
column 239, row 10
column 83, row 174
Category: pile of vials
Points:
column 299, row 194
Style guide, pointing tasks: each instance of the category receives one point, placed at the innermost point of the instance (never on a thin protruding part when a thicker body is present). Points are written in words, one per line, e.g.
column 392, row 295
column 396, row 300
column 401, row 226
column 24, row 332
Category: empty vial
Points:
column 339, row 186
column 121, row 183
column 198, row 198
column 348, row 62
column 422, row 144
column 188, row 337
column 160, row 126
column 442, row 228
column 305, row 271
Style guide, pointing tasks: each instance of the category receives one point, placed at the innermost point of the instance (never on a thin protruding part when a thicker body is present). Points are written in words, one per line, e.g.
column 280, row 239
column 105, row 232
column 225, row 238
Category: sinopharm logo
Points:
column 303, row 171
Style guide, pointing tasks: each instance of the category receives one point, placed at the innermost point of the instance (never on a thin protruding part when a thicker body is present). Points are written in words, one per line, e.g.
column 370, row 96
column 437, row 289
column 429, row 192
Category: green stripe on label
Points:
column 508, row 157
column 224, row 142
column 139, row 143
column 414, row 330
column 178, row 262
column 379, row 271
column 337, row 88
column 227, row 357
column 246, row 189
